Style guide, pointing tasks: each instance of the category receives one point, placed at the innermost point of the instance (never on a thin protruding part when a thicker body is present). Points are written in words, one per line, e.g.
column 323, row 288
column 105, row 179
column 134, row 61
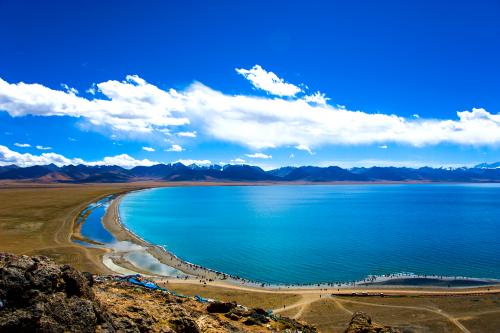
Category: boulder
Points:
column 221, row 307
column 184, row 325
column 362, row 323
column 39, row 295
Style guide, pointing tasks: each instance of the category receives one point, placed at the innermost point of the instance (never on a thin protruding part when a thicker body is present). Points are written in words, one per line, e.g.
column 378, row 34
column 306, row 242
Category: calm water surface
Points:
column 92, row 226
column 324, row 233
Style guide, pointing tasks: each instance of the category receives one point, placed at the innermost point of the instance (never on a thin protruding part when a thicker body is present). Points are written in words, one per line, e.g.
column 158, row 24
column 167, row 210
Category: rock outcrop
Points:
column 362, row 323
column 37, row 295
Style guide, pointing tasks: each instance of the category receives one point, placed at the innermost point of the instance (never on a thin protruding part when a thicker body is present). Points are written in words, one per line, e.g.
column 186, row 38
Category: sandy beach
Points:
column 189, row 272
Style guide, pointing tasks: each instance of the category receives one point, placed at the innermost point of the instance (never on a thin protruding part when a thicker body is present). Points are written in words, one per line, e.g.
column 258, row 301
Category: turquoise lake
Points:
column 324, row 233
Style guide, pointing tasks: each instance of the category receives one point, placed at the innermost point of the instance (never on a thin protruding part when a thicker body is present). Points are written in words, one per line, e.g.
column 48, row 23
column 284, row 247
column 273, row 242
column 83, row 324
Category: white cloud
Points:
column 317, row 98
column 175, row 148
column 72, row 139
column 188, row 162
column 268, row 123
column 237, row 161
column 304, row 148
column 8, row 156
column 148, row 149
column 259, row 155
column 42, row 147
column 92, row 90
column 135, row 106
column 129, row 106
column 22, row 145
column 383, row 147
column 268, row 81
column 69, row 90
column 187, row 134
column 123, row 160
column 292, row 155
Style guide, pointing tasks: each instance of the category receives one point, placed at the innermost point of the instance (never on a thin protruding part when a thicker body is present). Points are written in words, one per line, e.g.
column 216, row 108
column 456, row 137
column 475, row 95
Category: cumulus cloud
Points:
column 188, row 162
column 268, row 123
column 305, row 148
column 187, row 134
column 131, row 105
column 149, row 149
column 259, row 155
column 22, row 145
column 383, row 147
column 123, row 160
column 42, row 147
column 175, row 148
column 8, row 157
column 135, row 106
column 268, row 81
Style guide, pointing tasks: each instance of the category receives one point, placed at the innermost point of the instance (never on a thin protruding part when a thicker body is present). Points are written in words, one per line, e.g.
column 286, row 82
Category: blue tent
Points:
column 201, row 299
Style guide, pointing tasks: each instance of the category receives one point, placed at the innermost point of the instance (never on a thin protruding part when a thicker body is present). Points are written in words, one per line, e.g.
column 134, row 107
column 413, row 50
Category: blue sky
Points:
column 267, row 83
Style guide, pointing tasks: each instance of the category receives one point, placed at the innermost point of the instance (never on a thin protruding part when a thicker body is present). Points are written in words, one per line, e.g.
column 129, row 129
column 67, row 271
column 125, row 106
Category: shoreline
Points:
column 184, row 272
column 112, row 222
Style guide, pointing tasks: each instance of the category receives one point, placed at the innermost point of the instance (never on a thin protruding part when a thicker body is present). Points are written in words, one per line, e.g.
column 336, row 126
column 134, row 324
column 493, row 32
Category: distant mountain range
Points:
column 181, row 172
column 488, row 165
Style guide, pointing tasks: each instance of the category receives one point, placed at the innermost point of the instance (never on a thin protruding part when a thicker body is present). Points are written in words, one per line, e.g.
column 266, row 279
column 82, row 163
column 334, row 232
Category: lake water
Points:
column 324, row 233
column 91, row 219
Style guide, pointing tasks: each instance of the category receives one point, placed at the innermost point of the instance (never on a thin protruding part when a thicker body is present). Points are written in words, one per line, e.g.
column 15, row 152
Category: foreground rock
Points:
column 36, row 295
column 362, row 323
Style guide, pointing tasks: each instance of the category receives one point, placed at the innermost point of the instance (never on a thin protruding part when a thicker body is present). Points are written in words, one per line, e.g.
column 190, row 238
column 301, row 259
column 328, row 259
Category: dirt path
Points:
column 309, row 298
column 306, row 301
column 433, row 310
column 341, row 306
column 302, row 304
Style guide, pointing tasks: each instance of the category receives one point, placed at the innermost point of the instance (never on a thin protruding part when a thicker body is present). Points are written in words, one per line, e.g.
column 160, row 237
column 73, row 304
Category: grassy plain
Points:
column 37, row 219
column 265, row 300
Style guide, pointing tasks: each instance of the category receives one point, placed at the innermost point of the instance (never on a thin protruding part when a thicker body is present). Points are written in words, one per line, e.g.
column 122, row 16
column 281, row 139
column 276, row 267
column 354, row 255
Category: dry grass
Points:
column 243, row 297
column 410, row 314
column 484, row 323
column 456, row 306
column 326, row 315
column 38, row 219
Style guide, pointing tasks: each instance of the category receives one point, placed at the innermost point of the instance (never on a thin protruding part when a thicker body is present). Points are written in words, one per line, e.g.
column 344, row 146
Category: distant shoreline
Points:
column 191, row 273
